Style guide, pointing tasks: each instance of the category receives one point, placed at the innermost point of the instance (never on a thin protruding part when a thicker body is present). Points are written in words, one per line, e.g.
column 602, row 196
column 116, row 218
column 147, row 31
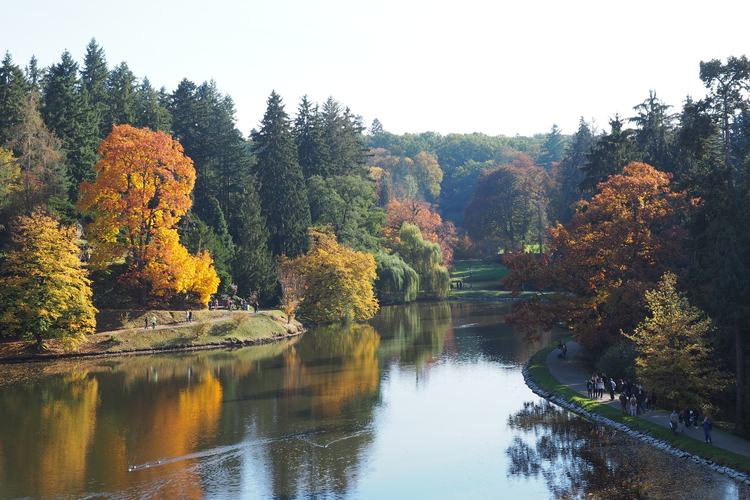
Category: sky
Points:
column 491, row 66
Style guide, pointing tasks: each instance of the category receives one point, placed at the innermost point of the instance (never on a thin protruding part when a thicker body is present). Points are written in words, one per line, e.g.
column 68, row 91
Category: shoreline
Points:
column 234, row 329
column 642, row 434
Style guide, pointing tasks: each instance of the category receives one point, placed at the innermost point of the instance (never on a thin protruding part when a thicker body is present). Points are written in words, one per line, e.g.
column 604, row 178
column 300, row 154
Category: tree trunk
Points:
column 739, row 348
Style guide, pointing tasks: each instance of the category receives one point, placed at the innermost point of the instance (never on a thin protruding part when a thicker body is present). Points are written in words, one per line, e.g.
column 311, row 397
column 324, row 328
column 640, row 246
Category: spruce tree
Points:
column 254, row 268
column 283, row 195
column 69, row 116
column 94, row 77
column 13, row 92
column 312, row 150
column 122, row 101
column 151, row 110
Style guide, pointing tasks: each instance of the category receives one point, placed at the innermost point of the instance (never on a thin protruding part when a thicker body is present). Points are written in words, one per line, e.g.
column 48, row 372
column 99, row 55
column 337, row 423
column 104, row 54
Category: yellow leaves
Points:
column 45, row 292
column 141, row 191
column 339, row 280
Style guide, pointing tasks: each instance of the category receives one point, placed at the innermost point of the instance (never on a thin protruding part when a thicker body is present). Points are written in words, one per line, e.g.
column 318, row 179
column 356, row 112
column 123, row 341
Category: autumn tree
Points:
column 38, row 156
column 44, row 291
column 508, row 204
column 339, row 280
column 430, row 224
column 673, row 351
column 599, row 265
column 142, row 189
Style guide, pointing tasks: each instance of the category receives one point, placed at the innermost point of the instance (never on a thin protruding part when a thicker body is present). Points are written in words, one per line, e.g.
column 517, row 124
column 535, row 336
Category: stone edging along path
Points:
column 644, row 437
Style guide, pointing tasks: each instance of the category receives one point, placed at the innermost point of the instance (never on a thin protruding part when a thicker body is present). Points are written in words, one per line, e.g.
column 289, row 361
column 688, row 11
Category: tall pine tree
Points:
column 283, row 196
column 67, row 113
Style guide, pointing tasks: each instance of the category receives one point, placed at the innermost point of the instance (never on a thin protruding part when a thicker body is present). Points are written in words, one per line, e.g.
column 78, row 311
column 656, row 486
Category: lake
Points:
column 426, row 401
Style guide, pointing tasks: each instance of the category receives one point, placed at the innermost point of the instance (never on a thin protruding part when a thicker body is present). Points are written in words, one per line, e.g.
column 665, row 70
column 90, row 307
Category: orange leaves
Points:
column 616, row 246
column 141, row 191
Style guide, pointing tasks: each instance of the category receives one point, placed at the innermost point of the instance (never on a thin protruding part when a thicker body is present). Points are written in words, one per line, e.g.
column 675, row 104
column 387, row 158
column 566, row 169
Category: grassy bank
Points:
column 541, row 376
column 126, row 333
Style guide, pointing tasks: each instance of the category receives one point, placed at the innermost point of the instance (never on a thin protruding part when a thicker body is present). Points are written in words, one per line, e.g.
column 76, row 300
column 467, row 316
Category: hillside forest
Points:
column 635, row 235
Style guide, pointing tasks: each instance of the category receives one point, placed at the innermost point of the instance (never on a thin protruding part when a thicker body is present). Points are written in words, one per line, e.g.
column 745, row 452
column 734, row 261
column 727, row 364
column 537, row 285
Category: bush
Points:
column 618, row 361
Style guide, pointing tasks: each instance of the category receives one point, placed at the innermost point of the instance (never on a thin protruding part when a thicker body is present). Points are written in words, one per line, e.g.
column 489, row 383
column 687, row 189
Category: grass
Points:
column 484, row 277
column 127, row 333
column 544, row 380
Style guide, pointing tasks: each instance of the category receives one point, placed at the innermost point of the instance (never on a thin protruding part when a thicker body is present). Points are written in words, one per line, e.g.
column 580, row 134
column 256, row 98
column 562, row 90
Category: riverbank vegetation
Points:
column 198, row 213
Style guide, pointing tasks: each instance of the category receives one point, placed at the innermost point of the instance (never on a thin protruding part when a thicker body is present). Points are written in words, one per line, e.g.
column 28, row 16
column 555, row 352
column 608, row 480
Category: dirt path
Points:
column 571, row 372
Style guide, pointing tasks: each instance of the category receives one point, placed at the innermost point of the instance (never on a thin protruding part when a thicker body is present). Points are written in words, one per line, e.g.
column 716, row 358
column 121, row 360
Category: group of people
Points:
column 244, row 305
column 635, row 400
column 562, row 350
column 687, row 418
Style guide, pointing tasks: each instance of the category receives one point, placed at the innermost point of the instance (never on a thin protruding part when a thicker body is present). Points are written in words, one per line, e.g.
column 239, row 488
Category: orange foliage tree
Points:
column 142, row 189
column 599, row 265
column 430, row 224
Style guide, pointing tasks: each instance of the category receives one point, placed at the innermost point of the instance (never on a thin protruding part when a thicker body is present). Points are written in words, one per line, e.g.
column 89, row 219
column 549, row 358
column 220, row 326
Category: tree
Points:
column 312, row 149
column 507, row 203
column 568, row 174
column 347, row 202
column 397, row 282
column 283, row 195
column 68, row 114
column 94, row 77
column 13, row 96
column 655, row 132
column 254, row 267
column 44, row 291
column 553, row 148
column 599, row 265
column 141, row 191
column 339, row 281
column 430, row 224
column 728, row 85
column 38, row 158
column 426, row 259
column 151, row 108
column 121, row 101
column 673, row 351
column 608, row 156
column 343, row 136
column 204, row 122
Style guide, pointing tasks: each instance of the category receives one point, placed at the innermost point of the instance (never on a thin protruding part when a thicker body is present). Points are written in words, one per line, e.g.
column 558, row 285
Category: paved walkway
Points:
column 571, row 372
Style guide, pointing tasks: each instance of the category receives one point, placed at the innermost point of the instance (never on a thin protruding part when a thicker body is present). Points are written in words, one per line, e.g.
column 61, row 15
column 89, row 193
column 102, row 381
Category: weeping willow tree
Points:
column 397, row 281
column 426, row 259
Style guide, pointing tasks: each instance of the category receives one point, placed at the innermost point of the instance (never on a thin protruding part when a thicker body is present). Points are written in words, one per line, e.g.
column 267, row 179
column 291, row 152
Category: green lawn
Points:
column 484, row 277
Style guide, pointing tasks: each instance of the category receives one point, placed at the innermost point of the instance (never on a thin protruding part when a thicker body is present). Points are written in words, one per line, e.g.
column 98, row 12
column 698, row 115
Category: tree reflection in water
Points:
column 579, row 459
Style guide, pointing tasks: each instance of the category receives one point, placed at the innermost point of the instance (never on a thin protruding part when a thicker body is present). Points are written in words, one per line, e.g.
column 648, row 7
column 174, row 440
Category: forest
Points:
column 115, row 194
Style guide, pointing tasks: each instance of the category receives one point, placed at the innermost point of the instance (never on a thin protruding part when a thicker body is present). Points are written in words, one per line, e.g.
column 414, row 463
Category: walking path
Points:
column 571, row 372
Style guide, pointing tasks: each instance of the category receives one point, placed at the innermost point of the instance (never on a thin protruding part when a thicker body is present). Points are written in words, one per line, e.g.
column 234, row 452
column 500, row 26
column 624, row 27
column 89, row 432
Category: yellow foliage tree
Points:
column 142, row 189
column 44, row 291
column 339, row 280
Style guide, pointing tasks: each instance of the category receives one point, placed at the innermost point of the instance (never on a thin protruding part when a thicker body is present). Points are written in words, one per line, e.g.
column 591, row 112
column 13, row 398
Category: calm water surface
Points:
column 425, row 401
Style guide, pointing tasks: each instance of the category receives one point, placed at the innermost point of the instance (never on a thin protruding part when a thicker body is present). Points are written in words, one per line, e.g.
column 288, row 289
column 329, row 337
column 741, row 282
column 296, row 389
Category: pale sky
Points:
column 496, row 67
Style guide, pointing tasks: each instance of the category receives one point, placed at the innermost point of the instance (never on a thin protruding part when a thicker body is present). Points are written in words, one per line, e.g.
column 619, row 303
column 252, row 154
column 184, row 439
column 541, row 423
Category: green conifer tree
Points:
column 283, row 195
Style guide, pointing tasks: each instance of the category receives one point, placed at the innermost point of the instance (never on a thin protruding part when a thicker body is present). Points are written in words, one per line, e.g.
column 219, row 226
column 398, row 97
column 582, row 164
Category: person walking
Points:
column 707, row 426
column 633, row 405
column 624, row 403
column 674, row 421
column 612, row 386
column 153, row 322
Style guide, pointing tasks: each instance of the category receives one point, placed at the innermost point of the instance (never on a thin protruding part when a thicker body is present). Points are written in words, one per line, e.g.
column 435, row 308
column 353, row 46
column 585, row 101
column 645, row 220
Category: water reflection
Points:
column 343, row 411
column 579, row 459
